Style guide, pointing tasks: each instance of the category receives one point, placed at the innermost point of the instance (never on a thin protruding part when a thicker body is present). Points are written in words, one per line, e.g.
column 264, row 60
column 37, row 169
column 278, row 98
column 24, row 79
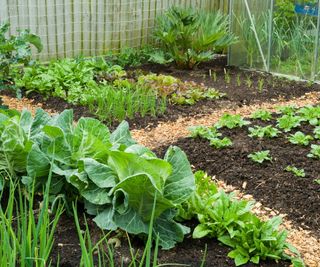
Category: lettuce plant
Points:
column 116, row 178
column 299, row 138
column 316, row 132
column 315, row 152
column 310, row 114
column 295, row 171
column 262, row 114
column 231, row 121
column 288, row 122
column 261, row 132
column 260, row 156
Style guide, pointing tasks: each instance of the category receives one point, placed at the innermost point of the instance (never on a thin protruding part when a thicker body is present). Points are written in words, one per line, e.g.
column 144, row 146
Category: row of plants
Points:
column 282, row 124
column 124, row 185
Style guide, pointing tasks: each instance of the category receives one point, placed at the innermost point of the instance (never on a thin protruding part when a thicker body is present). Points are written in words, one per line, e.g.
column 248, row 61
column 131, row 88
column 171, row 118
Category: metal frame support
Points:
column 316, row 48
column 270, row 39
column 253, row 28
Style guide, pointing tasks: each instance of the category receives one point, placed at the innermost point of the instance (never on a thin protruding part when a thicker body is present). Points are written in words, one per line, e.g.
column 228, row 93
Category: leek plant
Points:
column 26, row 234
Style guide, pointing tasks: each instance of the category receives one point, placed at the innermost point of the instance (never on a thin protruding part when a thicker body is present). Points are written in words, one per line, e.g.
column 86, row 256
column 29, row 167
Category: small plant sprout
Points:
column 315, row 152
column 317, row 181
column 212, row 93
column 287, row 110
column 220, row 143
column 299, row 138
column 227, row 76
column 310, row 114
column 261, row 132
column 288, row 122
column 260, row 84
column 249, row 82
column 316, row 132
column 238, row 80
column 231, row 121
column 295, row 171
column 262, row 114
column 214, row 76
column 260, row 156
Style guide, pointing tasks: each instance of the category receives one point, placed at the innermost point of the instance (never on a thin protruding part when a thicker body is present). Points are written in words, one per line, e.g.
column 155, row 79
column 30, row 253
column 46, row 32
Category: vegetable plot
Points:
column 116, row 178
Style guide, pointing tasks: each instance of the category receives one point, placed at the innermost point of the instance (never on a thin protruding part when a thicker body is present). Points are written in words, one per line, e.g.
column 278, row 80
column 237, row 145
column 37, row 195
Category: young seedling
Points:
column 287, row 110
column 220, row 143
column 249, row 82
column 299, row 138
column 288, row 122
column 238, row 80
column 214, row 76
column 261, row 132
column 315, row 152
column 204, row 132
column 310, row 114
column 317, row 181
column 260, row 156
column 295, row 171
column 260, row 85
column 316, row 132
column 231, row 121
column 262, row 114
column 212, row 93
column 227, row 76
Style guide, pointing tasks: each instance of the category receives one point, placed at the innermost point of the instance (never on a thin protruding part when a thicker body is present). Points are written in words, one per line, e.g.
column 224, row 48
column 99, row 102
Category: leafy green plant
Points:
column 231, row 121
column 299, row 138
column 27, row 233
column 317, row 181
column 231, row 220
column 204, row 132
column 261, row 132
column 316, row 132
column 16, row 49
column 260, row 156
column 220, row 143
column 104, row 170
column 288, row 122
column 297, row 172
column 260, row 85
column 190, row 37
column 315, row 152
column 262, row 114
column 287, row 110
column 310, row 114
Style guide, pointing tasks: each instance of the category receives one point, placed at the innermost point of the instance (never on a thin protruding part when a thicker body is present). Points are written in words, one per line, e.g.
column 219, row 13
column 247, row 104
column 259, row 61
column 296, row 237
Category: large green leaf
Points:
column 180, row 184
column 38, row 165
column 122, row 136
column 169, row 231
column 127, row 164
column 96, row 195
column 105, row 219
column 141, row 193
column 102, row 175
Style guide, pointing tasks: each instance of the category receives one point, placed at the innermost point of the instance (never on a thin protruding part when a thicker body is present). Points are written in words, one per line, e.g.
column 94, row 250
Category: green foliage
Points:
column 260, row 156
column 262, row 114
column 287, row 110
column 220, row 143
column 284, row 14
column 178, row 92
column 231, row 121
column 16, row 49
column 297, row 172
column 316, row 132
column 26, row 236
column 310, row 114
column 231, row 220
column 261, row 132
column 288, row 122
column 116, row 178
column 300, row 138
column 190, row 37
column 315, row 152
column 211, row 134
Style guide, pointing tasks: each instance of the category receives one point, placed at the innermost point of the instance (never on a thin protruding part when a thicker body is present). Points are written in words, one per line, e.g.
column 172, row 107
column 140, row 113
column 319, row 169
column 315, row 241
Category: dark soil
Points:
column 190, row 252
column 238, row 91
column 299, row 198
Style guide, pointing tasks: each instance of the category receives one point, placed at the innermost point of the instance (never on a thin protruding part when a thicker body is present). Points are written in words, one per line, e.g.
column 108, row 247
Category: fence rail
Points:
column 91, row 27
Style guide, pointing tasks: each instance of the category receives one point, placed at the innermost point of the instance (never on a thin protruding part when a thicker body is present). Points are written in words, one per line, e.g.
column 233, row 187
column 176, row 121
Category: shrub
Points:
column 190, row 37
